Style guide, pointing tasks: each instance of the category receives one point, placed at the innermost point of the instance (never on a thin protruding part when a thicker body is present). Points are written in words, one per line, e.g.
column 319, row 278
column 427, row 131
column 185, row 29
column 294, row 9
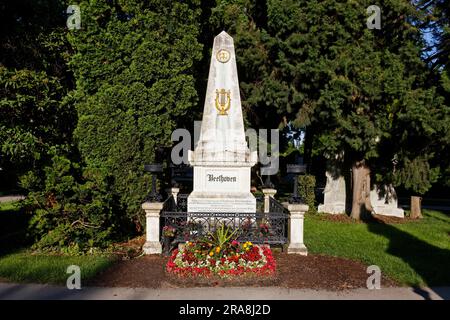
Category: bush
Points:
column 306, row 186
column 71, row 208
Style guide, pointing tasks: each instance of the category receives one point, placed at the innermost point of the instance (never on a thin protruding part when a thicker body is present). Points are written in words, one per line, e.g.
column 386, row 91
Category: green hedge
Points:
column 306, row 186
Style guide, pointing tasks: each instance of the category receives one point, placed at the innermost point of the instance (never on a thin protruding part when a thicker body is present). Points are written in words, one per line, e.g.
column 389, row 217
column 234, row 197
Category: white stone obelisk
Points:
column 221, row 158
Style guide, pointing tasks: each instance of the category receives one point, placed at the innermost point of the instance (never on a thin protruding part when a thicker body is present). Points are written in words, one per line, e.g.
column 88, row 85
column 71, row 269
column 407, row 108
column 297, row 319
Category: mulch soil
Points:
column 293, row 271
column 375, row 218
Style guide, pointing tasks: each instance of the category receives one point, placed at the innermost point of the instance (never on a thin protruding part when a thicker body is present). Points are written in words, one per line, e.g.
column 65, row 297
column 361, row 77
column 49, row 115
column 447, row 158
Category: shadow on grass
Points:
column 13, row 229
column 428, row 261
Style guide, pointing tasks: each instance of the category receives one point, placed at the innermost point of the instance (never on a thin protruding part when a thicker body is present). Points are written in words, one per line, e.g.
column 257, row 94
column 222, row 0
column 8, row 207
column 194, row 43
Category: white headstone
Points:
column 384, row 201
column 222, row 159
column 334, row 194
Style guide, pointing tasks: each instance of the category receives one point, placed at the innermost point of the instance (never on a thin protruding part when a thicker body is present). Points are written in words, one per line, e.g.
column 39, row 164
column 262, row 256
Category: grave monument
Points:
column 221, row 158
column 335, row 189
column 385, row 202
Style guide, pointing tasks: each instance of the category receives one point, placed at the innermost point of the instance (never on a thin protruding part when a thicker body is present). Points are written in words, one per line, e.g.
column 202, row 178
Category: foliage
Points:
column 71, row 209
column 34, row 83
column 437, row 22
column 134, row 69
column 315, row 64
column 306, row 189
column 416, row 175
column 168, row 231
column 33, row 117
column 222, row 235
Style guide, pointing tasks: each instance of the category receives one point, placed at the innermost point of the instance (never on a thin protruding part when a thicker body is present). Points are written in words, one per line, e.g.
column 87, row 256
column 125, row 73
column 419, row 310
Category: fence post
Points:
column 268, row 193
column 296, row 217
column 152, row 213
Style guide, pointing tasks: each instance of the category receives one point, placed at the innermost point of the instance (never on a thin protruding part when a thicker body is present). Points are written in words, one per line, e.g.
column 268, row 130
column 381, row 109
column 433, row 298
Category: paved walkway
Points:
column 11, row 198
column 11, row 291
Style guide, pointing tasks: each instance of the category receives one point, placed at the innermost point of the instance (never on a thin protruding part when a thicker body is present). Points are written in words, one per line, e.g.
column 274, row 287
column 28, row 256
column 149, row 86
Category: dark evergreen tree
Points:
column 134, row 81
column 35, row 114
column 359, row 90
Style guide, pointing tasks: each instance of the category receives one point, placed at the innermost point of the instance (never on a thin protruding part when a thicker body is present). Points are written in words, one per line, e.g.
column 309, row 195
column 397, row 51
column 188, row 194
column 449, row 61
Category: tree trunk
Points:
column 361, row 206
column 416, row 210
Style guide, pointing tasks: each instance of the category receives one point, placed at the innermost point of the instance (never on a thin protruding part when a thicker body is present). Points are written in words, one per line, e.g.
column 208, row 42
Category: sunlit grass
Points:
column 413, row 253
column 39, row 268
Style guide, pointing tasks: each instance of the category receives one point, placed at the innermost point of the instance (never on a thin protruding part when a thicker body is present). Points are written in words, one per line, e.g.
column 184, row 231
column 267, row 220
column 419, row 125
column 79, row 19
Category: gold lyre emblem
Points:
column 223, row 55
column 223, row 101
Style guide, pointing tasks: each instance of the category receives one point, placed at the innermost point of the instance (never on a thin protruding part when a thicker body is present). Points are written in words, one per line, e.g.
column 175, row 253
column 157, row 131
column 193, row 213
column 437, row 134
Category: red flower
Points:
column 252, row 255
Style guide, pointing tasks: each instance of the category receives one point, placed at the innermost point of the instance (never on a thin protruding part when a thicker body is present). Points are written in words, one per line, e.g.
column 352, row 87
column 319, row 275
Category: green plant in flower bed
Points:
column 222, row 235
column 168, row 231
column 219, row 255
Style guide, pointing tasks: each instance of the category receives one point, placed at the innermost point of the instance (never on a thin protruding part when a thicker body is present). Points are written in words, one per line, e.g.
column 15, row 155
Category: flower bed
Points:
column 203, row 258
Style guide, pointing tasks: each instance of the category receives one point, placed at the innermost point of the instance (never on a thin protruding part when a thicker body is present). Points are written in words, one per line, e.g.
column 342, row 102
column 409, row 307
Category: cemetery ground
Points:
column 408, row 252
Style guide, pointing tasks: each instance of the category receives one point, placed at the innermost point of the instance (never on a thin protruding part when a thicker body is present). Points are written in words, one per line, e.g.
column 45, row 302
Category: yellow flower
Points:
column 211, row 254
column 217, row 249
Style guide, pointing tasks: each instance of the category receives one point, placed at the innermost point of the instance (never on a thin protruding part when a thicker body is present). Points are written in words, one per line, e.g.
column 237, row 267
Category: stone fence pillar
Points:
column 268, row 193
column 152, row 213
column 295, row 233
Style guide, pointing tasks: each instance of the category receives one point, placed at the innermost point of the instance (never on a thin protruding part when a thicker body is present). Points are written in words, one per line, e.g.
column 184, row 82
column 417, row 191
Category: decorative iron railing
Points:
column 275, row 206
column 182, row 202
column 258, row 227
column 169, row 204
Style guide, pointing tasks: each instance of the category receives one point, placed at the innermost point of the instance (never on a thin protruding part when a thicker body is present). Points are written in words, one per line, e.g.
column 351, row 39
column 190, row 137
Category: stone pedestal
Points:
column 334, row 195
column 296, row 218
column 221, row 189
column 152, row 214
column 268, row 193
column 384, row 201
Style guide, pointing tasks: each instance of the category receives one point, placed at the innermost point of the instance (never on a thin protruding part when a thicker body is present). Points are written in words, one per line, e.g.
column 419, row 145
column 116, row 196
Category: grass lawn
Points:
column 9, row 206
column 26, row 267
column 413, row 253
column 20, row 265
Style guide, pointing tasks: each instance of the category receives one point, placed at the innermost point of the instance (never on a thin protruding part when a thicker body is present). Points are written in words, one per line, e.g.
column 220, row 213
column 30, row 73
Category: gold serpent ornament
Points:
column 223, row 101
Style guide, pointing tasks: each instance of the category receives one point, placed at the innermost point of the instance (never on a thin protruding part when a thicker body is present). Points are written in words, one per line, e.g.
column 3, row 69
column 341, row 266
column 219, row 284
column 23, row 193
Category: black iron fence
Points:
column 259, row 227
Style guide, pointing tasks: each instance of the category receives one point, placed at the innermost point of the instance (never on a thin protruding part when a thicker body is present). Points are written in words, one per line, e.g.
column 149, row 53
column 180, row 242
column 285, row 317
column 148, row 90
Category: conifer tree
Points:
column 359, row 90
column 134, row 80
column 35, row 114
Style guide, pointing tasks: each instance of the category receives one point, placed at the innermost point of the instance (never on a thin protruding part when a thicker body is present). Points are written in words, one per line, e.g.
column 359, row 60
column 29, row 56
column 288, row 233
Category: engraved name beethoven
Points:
column 221, row 178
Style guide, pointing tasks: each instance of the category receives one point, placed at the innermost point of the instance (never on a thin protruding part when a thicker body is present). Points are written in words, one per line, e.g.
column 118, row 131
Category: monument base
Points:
column 221, row 202
column 152, row 247
column 331, row 208
column 384, row 201
column 389, row 211
column 297, row 249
